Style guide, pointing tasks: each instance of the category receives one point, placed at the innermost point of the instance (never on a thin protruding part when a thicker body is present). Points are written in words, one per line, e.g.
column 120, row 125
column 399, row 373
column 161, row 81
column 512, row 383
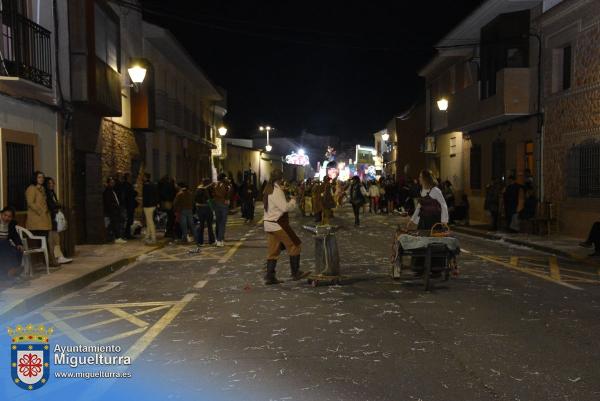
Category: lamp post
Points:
column 222, row 130
column 268, row 129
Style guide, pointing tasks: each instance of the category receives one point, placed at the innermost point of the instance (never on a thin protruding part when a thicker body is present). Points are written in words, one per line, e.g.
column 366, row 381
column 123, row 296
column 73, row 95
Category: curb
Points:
column 513, row 241
column 34, row 302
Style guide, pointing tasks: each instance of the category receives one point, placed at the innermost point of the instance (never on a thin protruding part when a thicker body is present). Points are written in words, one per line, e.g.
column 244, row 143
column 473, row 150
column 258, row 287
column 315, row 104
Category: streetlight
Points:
column 301, row 152
column 137, row 73
column 385, row 136
column 442, row 104
column 268, row 128
column 222, row 130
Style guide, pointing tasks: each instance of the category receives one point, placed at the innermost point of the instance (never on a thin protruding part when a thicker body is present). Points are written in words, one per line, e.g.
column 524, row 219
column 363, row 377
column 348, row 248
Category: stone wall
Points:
column 572, row 116
column 118, row 148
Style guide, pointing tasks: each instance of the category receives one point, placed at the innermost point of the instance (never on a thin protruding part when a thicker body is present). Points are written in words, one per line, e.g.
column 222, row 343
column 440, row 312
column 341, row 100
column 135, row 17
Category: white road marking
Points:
column 109, row 285
column 200, row 284
column 213, row 270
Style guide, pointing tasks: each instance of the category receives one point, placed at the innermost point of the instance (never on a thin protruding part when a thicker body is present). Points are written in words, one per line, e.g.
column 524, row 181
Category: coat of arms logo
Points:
column 30, row 355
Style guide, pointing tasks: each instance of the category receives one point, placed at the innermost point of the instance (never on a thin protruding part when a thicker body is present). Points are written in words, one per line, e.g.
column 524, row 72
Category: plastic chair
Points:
column 26, row 235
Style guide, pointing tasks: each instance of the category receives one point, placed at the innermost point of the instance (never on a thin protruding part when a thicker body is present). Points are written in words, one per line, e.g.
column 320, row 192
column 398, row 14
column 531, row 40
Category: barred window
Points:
column 20, row 166
column 583, row 170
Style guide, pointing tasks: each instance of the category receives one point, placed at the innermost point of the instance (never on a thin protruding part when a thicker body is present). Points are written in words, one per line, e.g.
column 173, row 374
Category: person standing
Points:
column 328, row 201
column 166, row 193
column 278, row 230
column 317, row 201
column 221, row 198
column 432, row 208
column 204, row 213
column 127, row 195
column 374, row 196
column 39, row 221
column 358, row 196
column 112, row 211
column 150, row 200
column 248, row 194
column 183, row 205
column 512, row 195
column 54, row 236
column 492, row 201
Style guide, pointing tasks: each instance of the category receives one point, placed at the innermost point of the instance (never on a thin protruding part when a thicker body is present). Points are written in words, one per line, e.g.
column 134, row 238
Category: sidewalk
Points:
column 556, row 244
column 90, row 263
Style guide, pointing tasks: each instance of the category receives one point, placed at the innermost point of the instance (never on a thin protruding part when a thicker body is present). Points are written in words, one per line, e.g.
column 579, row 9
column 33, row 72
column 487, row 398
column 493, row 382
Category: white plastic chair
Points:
column 26, row 235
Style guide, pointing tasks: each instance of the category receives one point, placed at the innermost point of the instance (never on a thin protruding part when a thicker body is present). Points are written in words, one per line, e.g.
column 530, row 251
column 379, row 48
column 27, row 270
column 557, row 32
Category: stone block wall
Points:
column 118, row 148
column 572, row 116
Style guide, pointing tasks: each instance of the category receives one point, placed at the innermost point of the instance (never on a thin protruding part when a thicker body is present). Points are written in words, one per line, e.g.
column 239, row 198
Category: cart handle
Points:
column 444, row 233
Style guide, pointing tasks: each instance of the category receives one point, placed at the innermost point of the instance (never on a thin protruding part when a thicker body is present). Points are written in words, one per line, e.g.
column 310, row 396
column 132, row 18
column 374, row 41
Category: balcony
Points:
column 26, row 51
column 514, row 98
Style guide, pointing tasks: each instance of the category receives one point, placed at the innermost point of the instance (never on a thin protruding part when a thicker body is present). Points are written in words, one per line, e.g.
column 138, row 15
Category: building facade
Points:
column 483, row 111
column 571, row 100
column 34, row 99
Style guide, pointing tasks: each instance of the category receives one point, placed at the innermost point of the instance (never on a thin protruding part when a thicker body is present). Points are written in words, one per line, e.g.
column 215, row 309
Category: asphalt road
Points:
column 516, row 324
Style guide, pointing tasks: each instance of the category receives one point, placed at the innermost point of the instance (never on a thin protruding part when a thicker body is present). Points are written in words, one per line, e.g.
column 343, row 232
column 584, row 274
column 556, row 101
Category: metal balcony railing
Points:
column 25, row 49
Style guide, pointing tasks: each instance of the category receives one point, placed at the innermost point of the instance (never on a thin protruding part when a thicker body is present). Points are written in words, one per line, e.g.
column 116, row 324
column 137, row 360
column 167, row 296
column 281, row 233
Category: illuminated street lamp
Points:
column 222, row 130
column 268, row 128
column 137, row 73
column 301, row 152
column 442, row 104
column 385, row 137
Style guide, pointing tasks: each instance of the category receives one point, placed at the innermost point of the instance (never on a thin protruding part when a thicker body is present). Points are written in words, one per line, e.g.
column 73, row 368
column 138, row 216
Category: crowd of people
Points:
column 184, row 211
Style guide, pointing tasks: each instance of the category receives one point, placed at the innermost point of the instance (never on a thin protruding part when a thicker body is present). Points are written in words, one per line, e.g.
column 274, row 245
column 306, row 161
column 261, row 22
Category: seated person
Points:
column 11, row 247
column 593, row 239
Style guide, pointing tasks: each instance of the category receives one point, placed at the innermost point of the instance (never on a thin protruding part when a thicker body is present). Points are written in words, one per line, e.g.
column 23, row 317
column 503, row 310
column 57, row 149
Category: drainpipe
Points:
column 540, row 121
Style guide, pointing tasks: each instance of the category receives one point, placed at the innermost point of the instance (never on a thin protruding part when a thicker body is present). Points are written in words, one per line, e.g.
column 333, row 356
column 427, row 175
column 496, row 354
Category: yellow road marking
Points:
column 129, row 317
column 79, row 314
column 230, row 253
column 529, row 271
column 514, row 260
column 554, row 270
column 121, row 335
column 142, row 343
column 73, row 334
column 107, row 306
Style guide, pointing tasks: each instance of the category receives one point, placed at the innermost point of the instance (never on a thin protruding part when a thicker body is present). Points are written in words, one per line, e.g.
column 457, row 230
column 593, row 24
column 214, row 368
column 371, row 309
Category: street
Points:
column 516, row 324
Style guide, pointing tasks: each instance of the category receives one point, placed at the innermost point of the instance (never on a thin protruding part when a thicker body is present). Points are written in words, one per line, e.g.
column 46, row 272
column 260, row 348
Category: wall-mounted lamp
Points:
column 222, row 130
column 385, row 137
column 137, row 74
column 442, row 104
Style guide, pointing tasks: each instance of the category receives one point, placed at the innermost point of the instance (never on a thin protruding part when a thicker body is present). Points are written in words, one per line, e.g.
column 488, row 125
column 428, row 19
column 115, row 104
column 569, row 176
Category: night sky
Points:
column 330, row 67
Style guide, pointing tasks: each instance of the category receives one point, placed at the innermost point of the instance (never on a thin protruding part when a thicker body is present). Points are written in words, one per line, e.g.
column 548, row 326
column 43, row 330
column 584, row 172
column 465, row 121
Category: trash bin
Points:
column 327, row 257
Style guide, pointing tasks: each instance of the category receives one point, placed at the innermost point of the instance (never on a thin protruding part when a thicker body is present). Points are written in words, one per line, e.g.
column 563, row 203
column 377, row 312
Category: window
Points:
column 20, row 168
column 475, row 167
column 583, row 170
column 107, row 37
column 561, row 69
column 498, row 159
column 453, row 146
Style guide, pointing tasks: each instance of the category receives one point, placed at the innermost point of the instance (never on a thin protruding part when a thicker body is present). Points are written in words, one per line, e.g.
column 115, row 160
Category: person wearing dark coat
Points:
column 248, row 193
column 112, row 211
column 166, row 193
column 11, row 246
column 127, row 195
